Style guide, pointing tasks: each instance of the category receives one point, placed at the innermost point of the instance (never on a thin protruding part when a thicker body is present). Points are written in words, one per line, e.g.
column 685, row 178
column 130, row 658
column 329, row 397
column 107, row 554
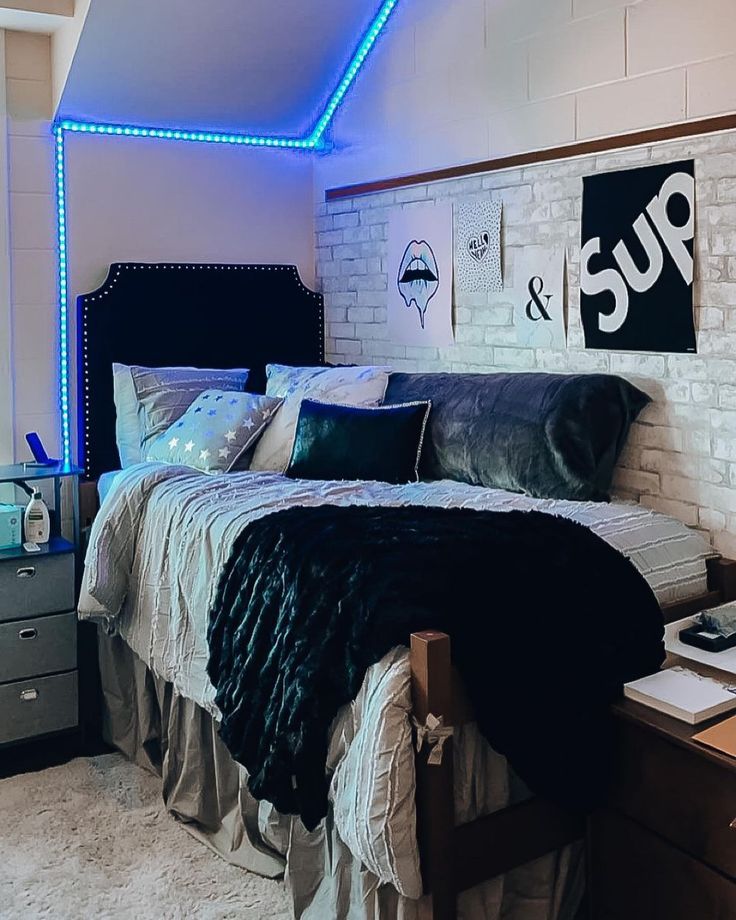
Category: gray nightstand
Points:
column 38, row 622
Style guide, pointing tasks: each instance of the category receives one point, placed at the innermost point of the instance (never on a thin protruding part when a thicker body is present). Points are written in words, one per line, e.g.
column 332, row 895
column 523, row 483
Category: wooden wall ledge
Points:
column 565, row 152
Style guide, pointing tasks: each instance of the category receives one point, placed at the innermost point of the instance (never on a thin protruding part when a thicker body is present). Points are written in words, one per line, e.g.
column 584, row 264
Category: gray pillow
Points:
column 149, row 399
column 548, row 435
column 215, row 432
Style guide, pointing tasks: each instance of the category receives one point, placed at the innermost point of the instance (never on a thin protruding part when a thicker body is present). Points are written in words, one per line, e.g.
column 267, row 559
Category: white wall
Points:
column 32, row 238
column 6, row 317
column 64, row 46
column 140, row 199
column 128, row 199
column 474, row 79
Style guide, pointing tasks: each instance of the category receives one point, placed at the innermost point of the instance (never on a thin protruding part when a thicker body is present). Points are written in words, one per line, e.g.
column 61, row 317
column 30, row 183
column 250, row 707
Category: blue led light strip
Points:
column 311, row 142
column 364, row 49
column 59, row 170
column 201, row 137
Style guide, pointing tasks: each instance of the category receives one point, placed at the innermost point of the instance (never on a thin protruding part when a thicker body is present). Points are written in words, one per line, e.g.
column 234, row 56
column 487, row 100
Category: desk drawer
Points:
column 34, row 585
column 634, row 875
column 39, row 646
column 37, row 706
column 685, row 797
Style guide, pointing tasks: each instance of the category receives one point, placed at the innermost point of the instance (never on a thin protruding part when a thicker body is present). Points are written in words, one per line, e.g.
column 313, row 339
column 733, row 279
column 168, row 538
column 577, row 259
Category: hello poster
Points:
column 478, row 246
column 420, row 276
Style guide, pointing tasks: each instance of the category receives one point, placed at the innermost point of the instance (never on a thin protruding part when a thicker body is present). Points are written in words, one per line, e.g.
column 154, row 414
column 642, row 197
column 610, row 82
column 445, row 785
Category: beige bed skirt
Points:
column 205, row 789
column 173, row 737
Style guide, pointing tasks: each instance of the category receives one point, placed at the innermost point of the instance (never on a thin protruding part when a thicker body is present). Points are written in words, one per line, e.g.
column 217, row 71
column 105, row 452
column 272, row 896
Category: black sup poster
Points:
column 636, row 263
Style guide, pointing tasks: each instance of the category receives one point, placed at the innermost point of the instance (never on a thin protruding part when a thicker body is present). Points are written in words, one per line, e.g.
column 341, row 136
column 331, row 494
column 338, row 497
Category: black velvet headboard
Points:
column 164, row 314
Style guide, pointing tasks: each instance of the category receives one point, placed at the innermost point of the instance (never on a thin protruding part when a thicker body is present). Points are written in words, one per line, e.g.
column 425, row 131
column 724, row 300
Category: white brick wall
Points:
column 681, row 455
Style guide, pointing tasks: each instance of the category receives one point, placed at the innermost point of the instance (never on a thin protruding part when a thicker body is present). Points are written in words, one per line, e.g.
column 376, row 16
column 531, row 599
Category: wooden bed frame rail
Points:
column 457, row 857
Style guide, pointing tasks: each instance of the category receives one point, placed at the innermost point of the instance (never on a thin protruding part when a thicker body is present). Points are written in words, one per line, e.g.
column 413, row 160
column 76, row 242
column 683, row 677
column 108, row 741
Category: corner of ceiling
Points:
column 64, row 42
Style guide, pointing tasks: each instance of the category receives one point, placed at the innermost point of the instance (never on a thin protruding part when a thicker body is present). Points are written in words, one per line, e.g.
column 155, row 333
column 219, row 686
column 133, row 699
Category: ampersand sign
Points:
column 535, row 288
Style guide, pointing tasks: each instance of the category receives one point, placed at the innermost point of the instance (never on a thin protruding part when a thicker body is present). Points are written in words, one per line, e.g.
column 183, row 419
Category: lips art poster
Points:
column 420, row 276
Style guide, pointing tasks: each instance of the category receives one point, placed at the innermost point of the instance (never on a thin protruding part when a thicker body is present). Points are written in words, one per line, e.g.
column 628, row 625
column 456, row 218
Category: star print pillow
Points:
column 216, row 431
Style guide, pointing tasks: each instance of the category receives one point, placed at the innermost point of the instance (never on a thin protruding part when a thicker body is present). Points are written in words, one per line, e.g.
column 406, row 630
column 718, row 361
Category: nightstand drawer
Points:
column 635, row 875
column 39, row 646
column 34, row 585
column 37, row 706
column 685, row 797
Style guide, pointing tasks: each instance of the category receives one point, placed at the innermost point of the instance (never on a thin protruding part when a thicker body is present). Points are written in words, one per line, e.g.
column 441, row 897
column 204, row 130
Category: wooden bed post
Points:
column 722, row 577
column 431, row 682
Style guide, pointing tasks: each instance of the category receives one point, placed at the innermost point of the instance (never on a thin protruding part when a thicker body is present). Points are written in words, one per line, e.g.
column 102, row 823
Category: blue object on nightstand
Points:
column 11, row 525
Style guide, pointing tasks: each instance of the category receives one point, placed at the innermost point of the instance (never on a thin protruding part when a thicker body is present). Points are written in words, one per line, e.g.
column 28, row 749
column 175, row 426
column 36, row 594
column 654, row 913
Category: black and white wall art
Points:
column 420, row 275
column 539, row 298
column 478, row 246
column 636, row 264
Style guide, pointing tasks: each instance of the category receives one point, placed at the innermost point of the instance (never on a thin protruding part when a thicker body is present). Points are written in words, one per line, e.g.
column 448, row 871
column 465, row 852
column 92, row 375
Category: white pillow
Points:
column 149, row 399
column 350, row 386
column 374, row 781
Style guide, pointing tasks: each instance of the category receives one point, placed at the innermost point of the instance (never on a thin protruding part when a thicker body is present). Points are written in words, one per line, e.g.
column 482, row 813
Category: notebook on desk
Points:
column 683, row 694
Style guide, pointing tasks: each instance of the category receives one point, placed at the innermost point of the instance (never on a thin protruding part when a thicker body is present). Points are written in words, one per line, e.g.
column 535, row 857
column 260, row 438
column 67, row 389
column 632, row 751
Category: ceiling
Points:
column 256, row 66
column 35, row 15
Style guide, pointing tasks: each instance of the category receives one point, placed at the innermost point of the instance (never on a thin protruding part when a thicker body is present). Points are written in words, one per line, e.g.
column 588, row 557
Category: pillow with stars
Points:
column 215, row 432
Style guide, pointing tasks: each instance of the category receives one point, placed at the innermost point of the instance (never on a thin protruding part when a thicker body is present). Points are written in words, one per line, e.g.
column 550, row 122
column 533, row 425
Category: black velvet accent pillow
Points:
column 347, row 442
column 548, row 435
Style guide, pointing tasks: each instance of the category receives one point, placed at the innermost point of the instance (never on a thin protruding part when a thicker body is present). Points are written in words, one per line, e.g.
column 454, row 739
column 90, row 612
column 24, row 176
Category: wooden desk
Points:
column 665, row 847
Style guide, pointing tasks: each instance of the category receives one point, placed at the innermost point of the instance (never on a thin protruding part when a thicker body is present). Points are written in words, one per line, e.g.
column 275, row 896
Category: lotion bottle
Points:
column 36, row 520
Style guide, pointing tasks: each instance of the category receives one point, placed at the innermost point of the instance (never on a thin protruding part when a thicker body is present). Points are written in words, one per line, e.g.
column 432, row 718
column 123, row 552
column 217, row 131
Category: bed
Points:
column 513, row 854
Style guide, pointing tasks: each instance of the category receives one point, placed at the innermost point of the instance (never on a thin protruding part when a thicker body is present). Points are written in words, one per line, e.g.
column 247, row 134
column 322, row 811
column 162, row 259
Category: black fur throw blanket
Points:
column 546, row 622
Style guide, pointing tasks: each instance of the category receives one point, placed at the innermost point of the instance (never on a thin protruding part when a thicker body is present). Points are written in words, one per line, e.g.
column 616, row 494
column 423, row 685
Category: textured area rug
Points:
column 92, row 839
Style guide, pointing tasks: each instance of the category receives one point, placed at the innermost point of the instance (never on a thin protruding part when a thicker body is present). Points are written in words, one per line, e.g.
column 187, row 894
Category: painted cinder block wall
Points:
column 681, row 456
column 30, row 201
column 129, row 199
column 475, row 79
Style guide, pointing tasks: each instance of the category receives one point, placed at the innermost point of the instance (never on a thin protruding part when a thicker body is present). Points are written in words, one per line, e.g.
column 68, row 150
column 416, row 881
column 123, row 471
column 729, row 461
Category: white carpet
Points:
column 91, row 839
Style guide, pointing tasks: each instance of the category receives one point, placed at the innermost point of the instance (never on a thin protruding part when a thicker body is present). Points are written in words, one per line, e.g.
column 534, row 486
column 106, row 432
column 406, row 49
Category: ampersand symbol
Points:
column 535, row 288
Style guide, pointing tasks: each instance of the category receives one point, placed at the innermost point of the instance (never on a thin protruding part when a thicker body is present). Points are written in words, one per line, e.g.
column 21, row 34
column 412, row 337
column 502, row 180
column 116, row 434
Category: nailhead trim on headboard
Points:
column 115, row 273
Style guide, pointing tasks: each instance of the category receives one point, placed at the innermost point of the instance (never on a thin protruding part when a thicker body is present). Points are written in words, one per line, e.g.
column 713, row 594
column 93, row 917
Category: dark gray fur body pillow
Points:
column 548, row 435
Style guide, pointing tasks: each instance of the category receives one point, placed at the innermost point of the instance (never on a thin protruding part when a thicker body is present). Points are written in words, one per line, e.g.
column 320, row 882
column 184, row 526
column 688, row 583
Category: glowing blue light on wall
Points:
column 314, row 141
column 353, row 68
column 199, row 137
column 59, row 168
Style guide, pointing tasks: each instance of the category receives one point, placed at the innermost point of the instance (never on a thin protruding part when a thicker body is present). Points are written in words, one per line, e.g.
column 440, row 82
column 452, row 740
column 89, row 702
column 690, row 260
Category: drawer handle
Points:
column 27, row 571
column 29, row 633
column 27, row 696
